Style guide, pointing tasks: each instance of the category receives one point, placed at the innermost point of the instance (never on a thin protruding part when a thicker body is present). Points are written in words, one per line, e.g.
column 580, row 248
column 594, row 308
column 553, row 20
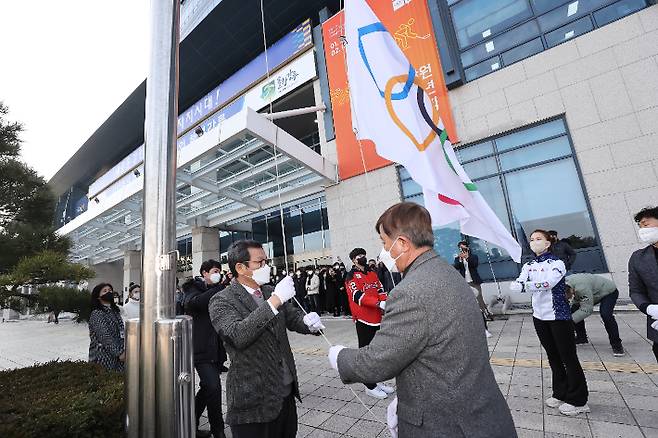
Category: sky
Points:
column 65, row 66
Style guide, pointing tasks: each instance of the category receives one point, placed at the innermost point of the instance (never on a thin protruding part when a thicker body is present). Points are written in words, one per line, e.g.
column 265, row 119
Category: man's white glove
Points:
column 516, row 286
column 392, row 417
column 652, row 310
column 285, row 290
column 313, row 322
column 333, row 356
column 654, row 325
column 382, row 305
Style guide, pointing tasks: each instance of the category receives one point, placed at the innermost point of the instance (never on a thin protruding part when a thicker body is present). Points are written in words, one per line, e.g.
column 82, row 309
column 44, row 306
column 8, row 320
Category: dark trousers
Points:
column 314, row 302
column 606, row 309
column 284, row 426
column 655, row 350
column 569, row 384
column 365, row 333
column 333, row 303
column 210, row 396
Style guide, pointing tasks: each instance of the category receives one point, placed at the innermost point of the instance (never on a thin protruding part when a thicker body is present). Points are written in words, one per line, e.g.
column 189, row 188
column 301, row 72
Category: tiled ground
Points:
column 623, row 391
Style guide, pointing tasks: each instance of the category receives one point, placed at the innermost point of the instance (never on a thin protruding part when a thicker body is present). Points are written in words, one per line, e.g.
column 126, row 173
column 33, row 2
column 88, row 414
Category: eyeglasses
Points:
column 261, row 263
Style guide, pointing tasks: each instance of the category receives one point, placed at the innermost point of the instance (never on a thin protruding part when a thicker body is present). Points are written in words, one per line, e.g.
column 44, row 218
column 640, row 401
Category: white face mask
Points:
column 539, row 246
column 136, row 296
column 215, row 277
column 648, row 235
column 387, row 259
column 262, row 275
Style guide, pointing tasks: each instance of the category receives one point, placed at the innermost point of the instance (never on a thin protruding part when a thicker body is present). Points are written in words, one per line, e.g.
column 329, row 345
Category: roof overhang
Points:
column 245, row 165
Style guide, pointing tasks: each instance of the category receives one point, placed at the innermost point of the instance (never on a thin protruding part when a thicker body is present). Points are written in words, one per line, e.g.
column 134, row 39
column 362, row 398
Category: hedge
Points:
column 61, row 399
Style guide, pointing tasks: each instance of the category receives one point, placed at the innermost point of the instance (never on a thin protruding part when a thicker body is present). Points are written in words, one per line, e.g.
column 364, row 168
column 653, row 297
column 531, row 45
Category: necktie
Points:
column 258, row 293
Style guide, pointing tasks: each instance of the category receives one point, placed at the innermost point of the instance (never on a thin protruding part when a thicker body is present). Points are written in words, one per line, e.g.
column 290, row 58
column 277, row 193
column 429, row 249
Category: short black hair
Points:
column 238, row 252
column 208, row 265
column 553, row 232
column 357, row 252
column 463, row 242
column 646, row 212
column 133, row 286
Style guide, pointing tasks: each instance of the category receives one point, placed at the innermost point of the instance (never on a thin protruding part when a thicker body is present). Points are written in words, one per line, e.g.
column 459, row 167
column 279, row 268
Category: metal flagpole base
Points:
column 174, row 377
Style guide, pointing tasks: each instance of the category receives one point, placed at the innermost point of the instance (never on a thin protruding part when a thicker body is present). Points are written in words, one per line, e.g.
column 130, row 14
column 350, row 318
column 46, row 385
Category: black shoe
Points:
column 581, row 340
column 203, row 433
column 618, row 351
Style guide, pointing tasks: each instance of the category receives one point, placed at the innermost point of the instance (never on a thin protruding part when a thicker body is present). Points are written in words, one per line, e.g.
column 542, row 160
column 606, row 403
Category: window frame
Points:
column 505, row 192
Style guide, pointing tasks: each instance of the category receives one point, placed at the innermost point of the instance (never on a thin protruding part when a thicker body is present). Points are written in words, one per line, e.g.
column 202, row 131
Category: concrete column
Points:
column 205, row 245
column 132, row 269
column 108, row 273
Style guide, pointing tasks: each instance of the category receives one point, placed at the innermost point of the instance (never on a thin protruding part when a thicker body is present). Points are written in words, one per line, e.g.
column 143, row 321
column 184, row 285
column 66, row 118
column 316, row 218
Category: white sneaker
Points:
column 487, row 333
column 387, row 389
column 553, row 402
column 571, row 410
column 376, row 393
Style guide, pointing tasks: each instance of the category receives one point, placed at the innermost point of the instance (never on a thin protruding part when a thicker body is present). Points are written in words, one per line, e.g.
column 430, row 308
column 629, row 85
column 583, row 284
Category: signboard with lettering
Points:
column 410, row 24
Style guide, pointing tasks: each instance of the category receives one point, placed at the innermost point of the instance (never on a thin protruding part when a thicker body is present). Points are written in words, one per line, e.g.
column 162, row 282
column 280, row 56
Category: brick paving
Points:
column 623, row 391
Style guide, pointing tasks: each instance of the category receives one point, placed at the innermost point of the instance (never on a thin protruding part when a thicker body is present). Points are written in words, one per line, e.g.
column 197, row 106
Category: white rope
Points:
column 283, row 229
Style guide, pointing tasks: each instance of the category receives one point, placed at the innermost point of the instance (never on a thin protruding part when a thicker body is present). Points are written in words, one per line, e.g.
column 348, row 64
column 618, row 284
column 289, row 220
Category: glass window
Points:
column 500, row 43
column 482, row 68
column 545, row 193
column 568, row 12
column 480, row 168
column 293, row 222
column 541, row 6
column 476, row 20
column 569, row 31
column 312, row 227
column 523, row 51
column 492, row 34
column 546, row 150
column 530, row 135
column 618, row 10
column 469, row 153
column 411, row 187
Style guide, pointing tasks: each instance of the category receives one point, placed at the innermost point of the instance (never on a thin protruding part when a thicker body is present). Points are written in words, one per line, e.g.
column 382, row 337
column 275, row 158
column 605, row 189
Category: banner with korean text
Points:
column 410, row 23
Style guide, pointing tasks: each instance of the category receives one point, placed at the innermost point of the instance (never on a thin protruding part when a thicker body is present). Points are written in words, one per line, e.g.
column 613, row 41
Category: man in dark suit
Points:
column 209, row 353
column 643, row 272
column 562, row 250
column 467, row 264
column 252, row 319
column 431, row 341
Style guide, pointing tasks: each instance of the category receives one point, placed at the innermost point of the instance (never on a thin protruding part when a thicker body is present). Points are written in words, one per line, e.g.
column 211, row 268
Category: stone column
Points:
column 205, row 245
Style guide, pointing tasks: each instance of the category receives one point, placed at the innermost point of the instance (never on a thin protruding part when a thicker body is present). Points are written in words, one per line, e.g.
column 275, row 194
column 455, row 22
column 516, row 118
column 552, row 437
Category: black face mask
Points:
column 108, row 297
column 362, row 261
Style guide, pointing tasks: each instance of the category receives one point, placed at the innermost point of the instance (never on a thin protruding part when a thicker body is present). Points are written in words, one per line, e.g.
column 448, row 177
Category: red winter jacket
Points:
column 364, row 292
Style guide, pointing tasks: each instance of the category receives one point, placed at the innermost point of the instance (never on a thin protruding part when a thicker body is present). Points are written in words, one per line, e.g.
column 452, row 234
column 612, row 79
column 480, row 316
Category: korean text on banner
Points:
column 411, row 25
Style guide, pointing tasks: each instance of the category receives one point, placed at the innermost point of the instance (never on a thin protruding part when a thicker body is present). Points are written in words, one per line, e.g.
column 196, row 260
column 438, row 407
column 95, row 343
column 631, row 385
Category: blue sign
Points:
column 212, row 122
column 293, row 43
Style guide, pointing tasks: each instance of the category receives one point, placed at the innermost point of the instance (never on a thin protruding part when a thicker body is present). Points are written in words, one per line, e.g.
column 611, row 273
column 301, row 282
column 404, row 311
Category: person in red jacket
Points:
column 367, row 300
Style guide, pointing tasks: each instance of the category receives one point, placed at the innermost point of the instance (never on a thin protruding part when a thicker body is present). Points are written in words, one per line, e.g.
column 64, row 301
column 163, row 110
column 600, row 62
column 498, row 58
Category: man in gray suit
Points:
column 431, row 340
column 252, row 319
column 643, row 273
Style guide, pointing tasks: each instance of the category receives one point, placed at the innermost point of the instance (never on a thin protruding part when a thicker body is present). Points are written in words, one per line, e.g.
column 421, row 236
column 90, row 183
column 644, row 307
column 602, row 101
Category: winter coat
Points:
column 106, row 335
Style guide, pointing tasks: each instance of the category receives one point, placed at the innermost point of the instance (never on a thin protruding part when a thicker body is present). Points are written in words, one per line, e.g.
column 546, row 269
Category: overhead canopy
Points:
column 244, row 166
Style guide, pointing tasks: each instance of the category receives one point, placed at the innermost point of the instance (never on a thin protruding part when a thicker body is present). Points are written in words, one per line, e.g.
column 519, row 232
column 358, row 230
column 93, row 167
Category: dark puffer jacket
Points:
column 208, row 347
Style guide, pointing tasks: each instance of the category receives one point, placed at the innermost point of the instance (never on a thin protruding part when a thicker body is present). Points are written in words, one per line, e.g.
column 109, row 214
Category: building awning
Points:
column 245, row 165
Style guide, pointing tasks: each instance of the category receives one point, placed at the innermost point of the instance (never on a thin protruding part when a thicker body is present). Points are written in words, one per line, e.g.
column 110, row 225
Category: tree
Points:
column 27, row 206
column 46, row 270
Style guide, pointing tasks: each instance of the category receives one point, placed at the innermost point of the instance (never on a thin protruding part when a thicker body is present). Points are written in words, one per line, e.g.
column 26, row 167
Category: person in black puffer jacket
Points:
column 209, row 352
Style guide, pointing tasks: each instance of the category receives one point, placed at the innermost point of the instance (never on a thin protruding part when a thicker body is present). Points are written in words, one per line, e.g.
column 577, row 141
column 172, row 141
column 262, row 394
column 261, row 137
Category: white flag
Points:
column 392, row 109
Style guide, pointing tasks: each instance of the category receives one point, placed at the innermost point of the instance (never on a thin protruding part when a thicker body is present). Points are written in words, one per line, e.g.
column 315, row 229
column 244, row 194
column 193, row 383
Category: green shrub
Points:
column 61, row 399
column 65, row 299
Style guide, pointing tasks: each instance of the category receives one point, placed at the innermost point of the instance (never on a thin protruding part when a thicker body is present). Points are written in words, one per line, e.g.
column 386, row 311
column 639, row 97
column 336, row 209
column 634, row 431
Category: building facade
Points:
column 555, row 106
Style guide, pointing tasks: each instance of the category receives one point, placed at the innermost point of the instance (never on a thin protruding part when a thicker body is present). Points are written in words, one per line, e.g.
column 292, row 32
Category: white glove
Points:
column 652, row 310
column 654, row 325
column 285, row 290
column 516, row 286
column 333, row 356
column 313, row 322
column 382, row 305
column 392, row 417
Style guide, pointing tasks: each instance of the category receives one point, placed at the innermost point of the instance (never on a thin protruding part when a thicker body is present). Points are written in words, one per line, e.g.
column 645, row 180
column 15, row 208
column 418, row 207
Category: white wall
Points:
column 606, row 83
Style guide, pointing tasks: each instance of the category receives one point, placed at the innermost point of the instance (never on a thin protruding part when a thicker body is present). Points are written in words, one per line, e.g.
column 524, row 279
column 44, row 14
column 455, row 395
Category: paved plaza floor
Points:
column 623, row 391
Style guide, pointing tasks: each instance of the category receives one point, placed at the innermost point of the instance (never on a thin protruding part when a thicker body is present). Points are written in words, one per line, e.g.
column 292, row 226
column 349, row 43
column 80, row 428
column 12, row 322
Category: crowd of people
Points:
column 417, row 318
